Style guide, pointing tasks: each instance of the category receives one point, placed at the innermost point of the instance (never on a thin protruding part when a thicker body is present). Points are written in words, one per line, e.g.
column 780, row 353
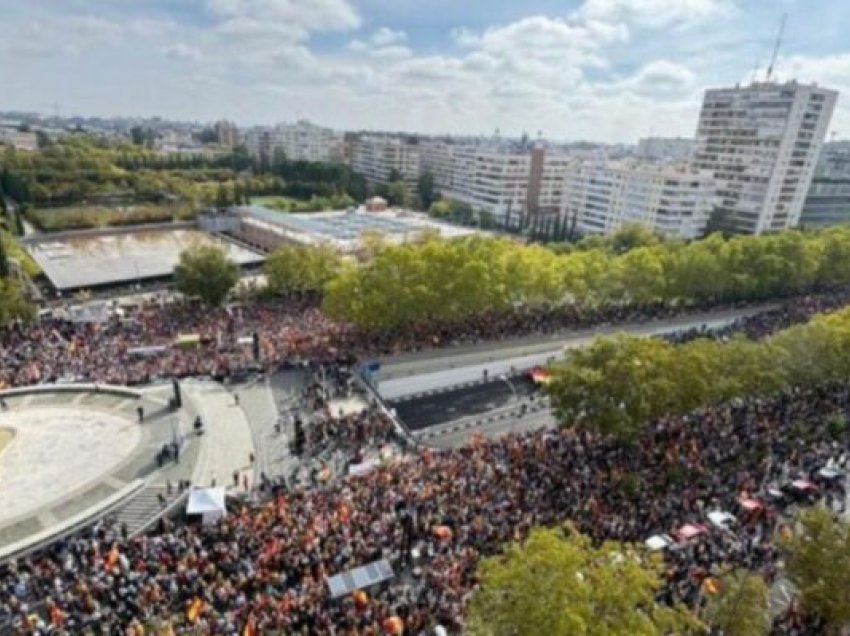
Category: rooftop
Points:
column 343, row 229
column 92, row 259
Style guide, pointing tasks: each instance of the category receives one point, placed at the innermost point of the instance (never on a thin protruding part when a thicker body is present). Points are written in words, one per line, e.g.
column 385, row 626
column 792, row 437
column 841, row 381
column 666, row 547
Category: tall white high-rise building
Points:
column 600, row 197
column 761, row 142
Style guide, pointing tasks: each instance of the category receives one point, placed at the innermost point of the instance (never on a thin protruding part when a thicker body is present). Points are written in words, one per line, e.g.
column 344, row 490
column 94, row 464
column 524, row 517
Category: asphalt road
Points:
column 422, row 411
column 451, row 366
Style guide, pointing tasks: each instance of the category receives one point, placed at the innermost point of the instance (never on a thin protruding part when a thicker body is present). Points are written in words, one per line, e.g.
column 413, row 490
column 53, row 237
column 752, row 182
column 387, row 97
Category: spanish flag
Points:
column 195, row 609
column 112, row 557
column 250, row 627
column 711, row 585
column 540, row 375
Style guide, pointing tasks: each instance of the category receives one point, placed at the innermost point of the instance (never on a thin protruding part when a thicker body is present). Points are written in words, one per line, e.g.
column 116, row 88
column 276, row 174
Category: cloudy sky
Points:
column 603, row 70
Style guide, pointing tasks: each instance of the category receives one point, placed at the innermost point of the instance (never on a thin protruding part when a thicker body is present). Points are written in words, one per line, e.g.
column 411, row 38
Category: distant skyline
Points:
column 596, row 70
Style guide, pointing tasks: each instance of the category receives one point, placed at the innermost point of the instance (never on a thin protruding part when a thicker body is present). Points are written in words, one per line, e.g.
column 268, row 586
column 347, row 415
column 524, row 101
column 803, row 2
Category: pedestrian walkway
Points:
column 227, row 444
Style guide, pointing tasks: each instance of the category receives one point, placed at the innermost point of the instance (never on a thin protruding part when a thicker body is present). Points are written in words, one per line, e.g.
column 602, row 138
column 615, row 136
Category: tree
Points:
column 296, row 268
column 397, row 194
column 13, row 303
column 19, row 222
column 426, row 190
column 440, row 209
column 205, row 272
column 4, row 260
column 740, row 607
column 559, row 584
column 818, row 564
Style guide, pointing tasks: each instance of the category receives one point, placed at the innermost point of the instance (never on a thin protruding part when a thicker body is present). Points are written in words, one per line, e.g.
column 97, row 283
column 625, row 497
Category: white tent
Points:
column 207, row 502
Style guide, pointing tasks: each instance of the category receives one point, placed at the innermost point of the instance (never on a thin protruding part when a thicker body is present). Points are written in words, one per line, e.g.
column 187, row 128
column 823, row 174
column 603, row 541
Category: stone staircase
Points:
column 142, row 508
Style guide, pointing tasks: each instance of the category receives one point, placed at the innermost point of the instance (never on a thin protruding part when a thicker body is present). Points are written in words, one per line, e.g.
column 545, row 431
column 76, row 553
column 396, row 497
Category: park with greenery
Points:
column 82, row 181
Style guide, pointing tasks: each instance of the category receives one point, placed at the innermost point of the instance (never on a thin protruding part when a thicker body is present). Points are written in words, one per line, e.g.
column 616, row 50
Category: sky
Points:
column 596, row 70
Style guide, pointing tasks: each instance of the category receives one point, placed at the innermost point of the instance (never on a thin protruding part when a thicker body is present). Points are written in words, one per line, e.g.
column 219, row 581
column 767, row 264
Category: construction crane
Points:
column 776, row 47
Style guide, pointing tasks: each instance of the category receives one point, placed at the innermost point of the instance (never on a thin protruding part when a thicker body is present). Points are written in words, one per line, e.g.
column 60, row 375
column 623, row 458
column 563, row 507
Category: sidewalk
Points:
column 227, row 442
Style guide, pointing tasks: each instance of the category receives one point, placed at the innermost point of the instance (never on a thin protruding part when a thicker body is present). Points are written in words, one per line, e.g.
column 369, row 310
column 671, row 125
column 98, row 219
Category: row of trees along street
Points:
column 618, row 384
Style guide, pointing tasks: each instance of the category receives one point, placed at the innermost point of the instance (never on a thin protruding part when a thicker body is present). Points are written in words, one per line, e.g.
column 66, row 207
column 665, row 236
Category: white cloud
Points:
column 313, row 15
column 664, row 74
column 386, row 36
column 655, row 13
column 183, row 52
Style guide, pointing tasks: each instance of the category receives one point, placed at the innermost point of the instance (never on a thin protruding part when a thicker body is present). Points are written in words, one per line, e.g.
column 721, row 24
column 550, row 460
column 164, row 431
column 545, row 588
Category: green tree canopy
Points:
column 557, row 583
column 619, row 384
column 818, row 564
column 205, row 272
column 13, row 303
column 740, row 607
column 426, row 190
column 296, row 268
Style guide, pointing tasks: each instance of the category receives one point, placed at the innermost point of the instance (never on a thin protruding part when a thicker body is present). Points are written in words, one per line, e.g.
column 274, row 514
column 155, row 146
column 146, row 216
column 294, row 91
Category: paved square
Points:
column 57, row 451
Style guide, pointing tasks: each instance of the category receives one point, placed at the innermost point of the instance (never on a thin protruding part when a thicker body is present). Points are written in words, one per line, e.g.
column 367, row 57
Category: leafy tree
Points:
column 205, row 272
column 295, row 268
column 426, row 190
column 740, row 607
column 13, row 303
column 818, row 564
column 440, row 209
column 486, row 220
column 559, row 584
column 4, row 260
column 397, row 194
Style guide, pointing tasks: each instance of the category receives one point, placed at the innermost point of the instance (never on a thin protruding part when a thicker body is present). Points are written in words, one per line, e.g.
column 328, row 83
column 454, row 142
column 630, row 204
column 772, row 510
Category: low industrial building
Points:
column 343, row 230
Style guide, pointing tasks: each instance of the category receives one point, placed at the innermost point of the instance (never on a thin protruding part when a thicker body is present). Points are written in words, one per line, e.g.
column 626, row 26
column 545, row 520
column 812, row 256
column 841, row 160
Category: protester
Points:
column 267, row 562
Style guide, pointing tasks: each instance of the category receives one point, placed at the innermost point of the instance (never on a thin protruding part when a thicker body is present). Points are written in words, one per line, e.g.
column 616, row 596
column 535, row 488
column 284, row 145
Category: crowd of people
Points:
column 765, row 323
column 434, row 515
column 142, row 343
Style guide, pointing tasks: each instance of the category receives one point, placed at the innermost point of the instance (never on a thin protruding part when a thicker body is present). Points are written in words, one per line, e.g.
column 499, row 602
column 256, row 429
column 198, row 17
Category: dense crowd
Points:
column 140, row 343
column 434, row 515
column 765, row 323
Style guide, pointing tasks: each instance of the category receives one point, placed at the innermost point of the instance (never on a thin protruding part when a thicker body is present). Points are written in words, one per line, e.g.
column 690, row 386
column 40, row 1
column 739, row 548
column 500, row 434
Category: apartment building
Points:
column 675, row 149
column 378, row 158
column 18, row 139
column 300, row 141
column 507, row 180
column 761, row 142
column 600, row 197
column 828, row 199
column 227, row 134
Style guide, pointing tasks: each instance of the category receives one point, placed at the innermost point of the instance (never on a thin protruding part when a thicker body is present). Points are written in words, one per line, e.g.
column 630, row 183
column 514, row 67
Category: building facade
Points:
column 227, row 134
column 828, row 199
column 301, row 141
column 380, row 158
column 509, row 181
column 761, row 142
column 600, row 197
column 674, row 149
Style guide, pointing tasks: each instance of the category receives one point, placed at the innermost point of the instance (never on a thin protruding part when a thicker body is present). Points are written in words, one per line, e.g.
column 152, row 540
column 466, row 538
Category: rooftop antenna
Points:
column 776, row 47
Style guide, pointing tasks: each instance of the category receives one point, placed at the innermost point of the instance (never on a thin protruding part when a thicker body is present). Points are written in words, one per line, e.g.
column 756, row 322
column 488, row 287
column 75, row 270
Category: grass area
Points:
column 15, row 250
column 6, row 436
column 86, row 217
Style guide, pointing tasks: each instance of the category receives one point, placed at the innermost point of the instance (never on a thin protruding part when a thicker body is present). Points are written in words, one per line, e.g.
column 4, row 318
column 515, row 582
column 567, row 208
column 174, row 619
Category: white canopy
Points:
column 207, row 502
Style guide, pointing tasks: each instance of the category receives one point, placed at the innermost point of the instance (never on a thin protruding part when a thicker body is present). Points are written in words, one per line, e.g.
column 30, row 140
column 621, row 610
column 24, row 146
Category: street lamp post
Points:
column 504, row 378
